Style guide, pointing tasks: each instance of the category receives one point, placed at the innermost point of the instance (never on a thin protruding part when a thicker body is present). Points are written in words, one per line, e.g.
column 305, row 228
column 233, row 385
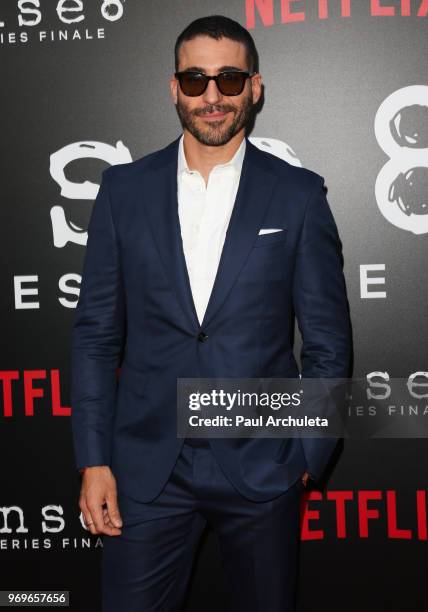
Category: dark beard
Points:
column 216, row 135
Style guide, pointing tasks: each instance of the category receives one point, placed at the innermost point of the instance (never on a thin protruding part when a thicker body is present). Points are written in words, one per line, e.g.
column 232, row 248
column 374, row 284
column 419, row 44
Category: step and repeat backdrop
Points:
column 84, row 85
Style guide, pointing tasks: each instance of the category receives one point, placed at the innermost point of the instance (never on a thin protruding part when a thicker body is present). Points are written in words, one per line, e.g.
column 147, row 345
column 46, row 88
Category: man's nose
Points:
column 212, row 94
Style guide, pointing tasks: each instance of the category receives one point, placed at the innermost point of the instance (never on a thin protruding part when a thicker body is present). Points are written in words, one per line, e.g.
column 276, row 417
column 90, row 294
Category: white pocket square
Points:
column 270, row 230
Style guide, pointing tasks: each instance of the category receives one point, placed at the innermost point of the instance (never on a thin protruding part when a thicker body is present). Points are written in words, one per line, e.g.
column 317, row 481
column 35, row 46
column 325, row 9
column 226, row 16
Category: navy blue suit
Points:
column 136, row 304
column 136, row 311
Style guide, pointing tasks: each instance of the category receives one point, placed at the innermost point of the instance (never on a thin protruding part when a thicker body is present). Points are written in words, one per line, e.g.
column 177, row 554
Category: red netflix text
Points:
column 270, row 12
column 363, row 513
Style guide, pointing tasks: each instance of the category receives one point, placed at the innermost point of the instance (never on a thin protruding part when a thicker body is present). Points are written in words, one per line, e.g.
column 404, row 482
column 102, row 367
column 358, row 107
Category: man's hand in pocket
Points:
column 305, row 478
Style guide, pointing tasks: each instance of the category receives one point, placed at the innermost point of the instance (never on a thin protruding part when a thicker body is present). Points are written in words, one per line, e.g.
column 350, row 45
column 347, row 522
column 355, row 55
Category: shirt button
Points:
column 202, row 336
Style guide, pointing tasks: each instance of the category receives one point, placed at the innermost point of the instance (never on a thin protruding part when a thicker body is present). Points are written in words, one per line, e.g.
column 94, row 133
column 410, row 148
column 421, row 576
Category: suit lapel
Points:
column 255, row 190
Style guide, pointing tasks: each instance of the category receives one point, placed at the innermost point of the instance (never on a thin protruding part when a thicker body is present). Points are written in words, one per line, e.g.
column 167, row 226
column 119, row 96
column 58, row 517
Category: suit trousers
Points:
column 148, row 566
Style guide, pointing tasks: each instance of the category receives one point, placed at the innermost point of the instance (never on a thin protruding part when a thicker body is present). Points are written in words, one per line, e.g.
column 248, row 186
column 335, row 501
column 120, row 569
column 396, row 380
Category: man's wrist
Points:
column 82, row 470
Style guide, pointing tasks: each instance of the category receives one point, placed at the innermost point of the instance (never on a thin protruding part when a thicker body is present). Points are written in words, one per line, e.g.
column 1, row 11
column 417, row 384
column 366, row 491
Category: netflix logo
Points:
column 32, row 393
column 28, row 393
column 271, row 12
column 361, row 513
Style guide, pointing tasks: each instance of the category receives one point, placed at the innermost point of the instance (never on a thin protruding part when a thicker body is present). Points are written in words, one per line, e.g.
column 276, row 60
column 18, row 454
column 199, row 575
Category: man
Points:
column 180, row 281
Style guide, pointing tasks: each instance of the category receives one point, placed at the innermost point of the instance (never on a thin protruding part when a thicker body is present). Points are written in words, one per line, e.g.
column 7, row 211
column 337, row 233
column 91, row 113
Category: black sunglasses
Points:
column 229, row 83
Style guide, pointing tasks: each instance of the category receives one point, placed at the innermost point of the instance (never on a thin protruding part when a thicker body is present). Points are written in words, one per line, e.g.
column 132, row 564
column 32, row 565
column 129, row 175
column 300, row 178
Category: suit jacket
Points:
column 136, row 311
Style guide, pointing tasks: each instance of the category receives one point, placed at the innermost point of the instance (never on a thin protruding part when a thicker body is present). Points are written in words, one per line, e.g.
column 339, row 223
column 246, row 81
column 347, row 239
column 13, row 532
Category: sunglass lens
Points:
column 192, row 84
column 231, row 83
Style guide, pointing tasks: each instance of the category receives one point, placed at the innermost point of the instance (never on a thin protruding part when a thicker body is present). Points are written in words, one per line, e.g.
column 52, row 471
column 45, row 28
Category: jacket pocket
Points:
column 271, row 238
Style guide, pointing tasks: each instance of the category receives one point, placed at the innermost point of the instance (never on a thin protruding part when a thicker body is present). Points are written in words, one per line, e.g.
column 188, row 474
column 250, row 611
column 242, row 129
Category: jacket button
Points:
column 202, row 336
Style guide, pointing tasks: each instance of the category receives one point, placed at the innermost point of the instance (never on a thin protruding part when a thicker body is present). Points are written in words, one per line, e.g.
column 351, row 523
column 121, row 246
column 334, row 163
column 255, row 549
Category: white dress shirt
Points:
column 204, row 212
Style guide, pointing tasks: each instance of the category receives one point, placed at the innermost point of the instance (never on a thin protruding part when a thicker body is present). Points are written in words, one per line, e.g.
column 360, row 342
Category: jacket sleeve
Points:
column 97, row 337
column 321, row 308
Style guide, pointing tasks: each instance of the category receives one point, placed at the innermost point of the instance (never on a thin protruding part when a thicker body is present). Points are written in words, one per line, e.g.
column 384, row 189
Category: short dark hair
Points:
column 218, row 26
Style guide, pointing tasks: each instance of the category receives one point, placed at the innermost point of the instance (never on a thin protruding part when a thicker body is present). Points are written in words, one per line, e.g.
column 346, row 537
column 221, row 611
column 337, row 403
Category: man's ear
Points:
column 173, row 88
column 257, row 87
